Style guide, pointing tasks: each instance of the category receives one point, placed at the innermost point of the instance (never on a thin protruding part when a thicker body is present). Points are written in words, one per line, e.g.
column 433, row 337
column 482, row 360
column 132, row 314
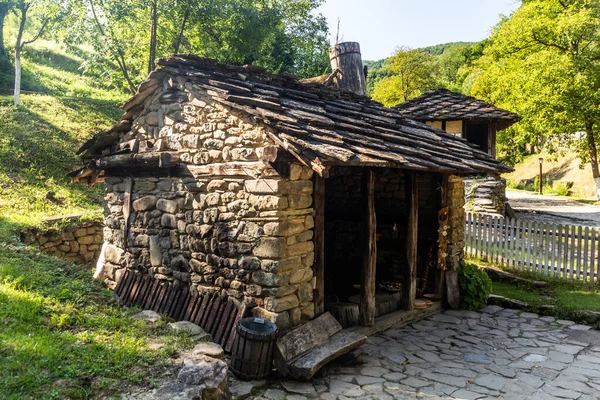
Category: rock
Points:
column 148, row 316
column 299, row 387
column 476, row 358
column 191, row 328
column 168, row 206
column 270, row 248
column 209, row 349
column 262, row 186
column 210, row 374
column 505, row 302
column 145, row 203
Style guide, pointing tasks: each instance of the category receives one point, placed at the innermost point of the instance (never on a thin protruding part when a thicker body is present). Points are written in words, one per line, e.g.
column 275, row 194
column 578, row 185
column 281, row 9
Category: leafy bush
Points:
column 475, row 287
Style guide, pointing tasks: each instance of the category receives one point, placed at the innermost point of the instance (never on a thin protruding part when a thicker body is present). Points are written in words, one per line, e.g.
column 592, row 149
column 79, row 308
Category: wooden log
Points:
column 409, row 293
column 346, row 58
column 302, row 339
column 153, row 159
column 319, row 241
column 306, row 366
column 453, row 294
column 367, row 285
column 345, row 313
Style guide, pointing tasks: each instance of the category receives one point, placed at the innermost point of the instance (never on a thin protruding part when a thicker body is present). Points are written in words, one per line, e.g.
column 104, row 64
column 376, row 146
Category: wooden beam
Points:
column 366, row 314
column 492, row 129
column 319, row 241
column 152, row 159
column 409, row 293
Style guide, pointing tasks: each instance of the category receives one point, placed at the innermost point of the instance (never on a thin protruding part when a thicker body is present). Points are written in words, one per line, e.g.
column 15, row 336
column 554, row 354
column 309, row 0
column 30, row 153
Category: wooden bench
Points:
column 305, row 350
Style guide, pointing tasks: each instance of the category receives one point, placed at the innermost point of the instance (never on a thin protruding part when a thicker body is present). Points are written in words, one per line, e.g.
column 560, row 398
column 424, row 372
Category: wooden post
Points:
column 346, row 58
column 440, row 280
column 367, row 285
column 319, row 241
column 492, row 130
column 409, row 292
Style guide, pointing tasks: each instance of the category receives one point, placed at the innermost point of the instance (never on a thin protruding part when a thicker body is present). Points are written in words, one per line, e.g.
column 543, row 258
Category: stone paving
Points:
column 494, row 353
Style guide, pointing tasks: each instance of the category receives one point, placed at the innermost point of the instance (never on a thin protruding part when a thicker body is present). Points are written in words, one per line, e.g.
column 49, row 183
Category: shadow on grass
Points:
column 63, row 336
column 33, row 150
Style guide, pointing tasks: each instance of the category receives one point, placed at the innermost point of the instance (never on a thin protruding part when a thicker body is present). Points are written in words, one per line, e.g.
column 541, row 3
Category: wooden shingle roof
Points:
column 445, row 105
column 321, row 125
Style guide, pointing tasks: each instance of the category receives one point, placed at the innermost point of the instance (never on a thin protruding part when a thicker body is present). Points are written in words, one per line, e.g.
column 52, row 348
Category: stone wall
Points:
column 73, row 240
column 456, row 220
column 218, row 231
column 487, row 195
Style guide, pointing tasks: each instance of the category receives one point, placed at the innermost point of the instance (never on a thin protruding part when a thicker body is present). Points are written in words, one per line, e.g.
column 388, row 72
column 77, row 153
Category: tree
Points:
column 46, row 13
column 411, row 73
column 5, row 7
column 544, row 62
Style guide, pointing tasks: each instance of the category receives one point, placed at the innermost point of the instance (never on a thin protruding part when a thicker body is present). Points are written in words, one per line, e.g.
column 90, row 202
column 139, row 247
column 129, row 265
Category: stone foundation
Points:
column 75, row 241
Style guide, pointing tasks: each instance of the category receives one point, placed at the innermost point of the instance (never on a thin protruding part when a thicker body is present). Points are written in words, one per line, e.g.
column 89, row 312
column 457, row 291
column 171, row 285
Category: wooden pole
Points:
column 319, row 241
column 409, row 292
column 345, row 58
column 367, row 285
column 440, row 278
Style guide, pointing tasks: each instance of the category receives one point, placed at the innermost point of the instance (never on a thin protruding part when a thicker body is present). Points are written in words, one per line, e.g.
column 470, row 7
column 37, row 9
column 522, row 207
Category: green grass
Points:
column 565, row 295
column 38, row 140
column 63, row 336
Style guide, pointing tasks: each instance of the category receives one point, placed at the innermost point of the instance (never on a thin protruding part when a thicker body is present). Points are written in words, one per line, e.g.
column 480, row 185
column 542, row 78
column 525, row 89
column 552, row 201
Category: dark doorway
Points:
column 477, row 134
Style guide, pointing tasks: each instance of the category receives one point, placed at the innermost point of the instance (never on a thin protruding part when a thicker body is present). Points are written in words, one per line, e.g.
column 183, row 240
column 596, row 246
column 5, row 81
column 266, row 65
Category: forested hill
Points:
column 447, row 57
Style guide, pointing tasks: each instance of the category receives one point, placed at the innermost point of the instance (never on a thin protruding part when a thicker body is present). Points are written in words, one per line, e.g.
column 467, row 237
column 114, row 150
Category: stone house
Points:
column 279, row 193
column 474, row 120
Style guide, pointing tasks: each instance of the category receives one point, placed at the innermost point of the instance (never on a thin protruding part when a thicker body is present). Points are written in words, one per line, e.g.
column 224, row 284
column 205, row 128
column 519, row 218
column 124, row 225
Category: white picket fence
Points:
column 563, row 251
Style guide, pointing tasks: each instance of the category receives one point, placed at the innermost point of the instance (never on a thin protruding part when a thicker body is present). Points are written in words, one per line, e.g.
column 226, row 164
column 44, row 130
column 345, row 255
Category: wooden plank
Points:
column 546, row 251
column 178, row 306
column 586, row 273
column 229, row 327
column 529, row 233
column 497, row 241
column 152, row 295
column 484, row 237
column 193, row 297
column 319, row 242
column 553, row 251
column 399, row 319
column 121, row 282
column 469, row 249
column 593, row 256
column 134, row 288
column 479, row 247
column 578, row 256
column 202, row 310
column 238, row 317
column 307, row 365
column 220, row 313
column 534, row 250
column 513, row 238
column 217, row 338
column 206, row 315
column 409, row 293
column 213, row 313
column 572, row 252
column 523, row 241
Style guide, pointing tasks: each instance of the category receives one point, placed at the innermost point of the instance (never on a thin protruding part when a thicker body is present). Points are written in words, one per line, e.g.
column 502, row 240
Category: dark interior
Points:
column 344, row 243
column 477, row 133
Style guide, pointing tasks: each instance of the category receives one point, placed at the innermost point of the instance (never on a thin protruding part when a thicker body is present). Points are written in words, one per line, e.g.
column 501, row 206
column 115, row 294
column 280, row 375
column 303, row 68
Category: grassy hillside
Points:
column 557, row 168
column 38, row 140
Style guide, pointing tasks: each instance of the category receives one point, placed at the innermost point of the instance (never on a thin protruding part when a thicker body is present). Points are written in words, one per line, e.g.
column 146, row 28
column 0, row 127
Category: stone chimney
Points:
column 346, row 59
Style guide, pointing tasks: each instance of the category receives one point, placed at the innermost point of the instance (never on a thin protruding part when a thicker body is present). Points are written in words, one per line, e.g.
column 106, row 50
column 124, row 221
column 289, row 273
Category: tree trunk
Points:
column 153, row 27
column 591, row 142
column 346, row 58
column 18, row 48
column 4, row 9
column 180, row 35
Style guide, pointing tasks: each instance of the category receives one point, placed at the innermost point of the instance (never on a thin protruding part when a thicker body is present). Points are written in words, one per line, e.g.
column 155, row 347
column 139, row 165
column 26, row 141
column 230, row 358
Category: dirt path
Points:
column 553, row 209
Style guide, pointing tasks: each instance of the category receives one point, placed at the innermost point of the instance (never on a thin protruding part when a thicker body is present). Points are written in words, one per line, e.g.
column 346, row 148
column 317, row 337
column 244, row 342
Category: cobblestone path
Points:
column 495, row 353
